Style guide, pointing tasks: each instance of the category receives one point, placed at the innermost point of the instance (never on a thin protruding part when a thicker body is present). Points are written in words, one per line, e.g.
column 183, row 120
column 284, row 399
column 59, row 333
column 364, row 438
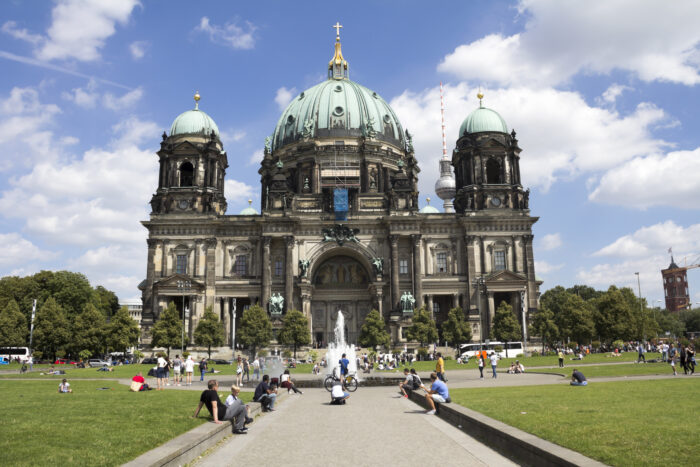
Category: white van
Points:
column 509, row 349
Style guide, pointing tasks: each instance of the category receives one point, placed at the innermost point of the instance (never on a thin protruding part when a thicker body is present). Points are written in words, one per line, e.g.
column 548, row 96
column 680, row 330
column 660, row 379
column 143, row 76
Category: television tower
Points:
column 445, row 186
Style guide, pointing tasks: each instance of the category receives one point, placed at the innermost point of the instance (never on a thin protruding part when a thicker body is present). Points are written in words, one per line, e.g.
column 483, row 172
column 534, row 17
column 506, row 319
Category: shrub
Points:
column 422, row 353
column 618, row 344
column 262, row 353
column 287, row 353
column 520, row 355
column 535, row 353
column 572, row 345
column 498, row 349
column 184, row 354
column 313, row 355
column 447, row 357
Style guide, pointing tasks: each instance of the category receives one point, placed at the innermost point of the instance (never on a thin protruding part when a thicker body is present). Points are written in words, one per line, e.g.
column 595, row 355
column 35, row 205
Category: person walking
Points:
column 640, row 352
column 683, row 358
column 239, row 371
column 481, row 365
column 440, row 367
column 189, row 369
column 246, row 370
column 560, row 354
column 690, row 358
column 256, row 369
column 672, row 359
column 202, row 368
column 177, row 370
column 494, row 362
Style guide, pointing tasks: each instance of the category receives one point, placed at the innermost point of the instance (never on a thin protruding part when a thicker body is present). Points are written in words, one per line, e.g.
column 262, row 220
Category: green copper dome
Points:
column 250, row 210
column 483, row 119
column 429, row 210
column 337, row 108
column 194, row 122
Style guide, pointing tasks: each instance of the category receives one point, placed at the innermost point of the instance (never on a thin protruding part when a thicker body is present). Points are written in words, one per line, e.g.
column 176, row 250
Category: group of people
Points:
column 493, row 360
column 164, row 365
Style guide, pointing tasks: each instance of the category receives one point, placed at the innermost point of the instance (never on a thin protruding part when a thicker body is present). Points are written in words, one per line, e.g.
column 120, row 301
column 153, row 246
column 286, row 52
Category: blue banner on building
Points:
column 340, row 203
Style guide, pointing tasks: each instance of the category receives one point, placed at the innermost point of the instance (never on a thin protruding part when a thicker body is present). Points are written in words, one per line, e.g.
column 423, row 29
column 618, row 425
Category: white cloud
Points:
column 655, row 180
column 232, row 136
column 256, row 157
column 655, row 239
column 17, row 251
column 612, row 93
column 80, row 28
column 86, row 98
column 550, row 242
column 138, row 49
column 561, row 135
column 543, row 267
column 237, row 192
column 10, row 27
column 284, row 97
column 562, row 39
column 126, row 101
column 230, row 34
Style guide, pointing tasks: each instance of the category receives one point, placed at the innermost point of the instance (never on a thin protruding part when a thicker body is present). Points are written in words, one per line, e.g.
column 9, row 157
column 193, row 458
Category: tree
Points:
column 691, row 319
column 13, row 326
column 543, row 325
column 105, row 300
column 88, row 333
column 575, row 319
column 505, row 325
column 373, row 332
column 256, row 329
column 71, row 290
column 51, row 330
column 122, row 332
column 585, row 292
column 209, row 332
column 670, row 322
column 423, row 329
column 614, row 316
column 295, row 330
column 456, row 329
column 167, row 331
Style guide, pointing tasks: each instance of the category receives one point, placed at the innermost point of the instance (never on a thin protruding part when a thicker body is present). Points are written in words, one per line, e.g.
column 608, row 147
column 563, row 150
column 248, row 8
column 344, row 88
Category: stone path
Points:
column 375, row 427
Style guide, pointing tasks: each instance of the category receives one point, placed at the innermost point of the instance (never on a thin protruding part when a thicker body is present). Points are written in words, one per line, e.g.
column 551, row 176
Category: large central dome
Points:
column 337, row 108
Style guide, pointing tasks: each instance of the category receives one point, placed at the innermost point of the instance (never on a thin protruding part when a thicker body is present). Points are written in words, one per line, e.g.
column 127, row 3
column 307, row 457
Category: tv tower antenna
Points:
column 445, row 186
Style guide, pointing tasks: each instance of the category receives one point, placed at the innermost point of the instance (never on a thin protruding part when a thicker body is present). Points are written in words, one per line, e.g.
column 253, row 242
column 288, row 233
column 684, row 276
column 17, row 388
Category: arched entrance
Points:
column 340, row 283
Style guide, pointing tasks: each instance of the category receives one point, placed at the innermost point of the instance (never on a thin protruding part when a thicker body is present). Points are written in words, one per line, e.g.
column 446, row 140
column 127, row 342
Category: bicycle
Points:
column 350, row 382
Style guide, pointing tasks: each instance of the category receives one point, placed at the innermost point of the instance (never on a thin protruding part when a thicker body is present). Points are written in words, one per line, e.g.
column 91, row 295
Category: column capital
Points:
column 416, row 239
column 394, row 239
column 152, row 243
column 266, row 241
column 289, row 241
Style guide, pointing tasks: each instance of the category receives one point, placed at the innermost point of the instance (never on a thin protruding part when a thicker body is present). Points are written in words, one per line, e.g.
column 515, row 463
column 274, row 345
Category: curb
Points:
column 190, row 445
column 521, row 447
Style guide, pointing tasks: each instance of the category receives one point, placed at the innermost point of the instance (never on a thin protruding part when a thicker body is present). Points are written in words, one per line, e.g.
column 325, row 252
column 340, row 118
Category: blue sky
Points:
column 603, row 97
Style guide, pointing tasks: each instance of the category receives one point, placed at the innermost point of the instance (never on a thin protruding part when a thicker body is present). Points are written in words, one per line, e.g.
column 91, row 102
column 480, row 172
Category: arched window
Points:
column 186, row 174
column 493, row 172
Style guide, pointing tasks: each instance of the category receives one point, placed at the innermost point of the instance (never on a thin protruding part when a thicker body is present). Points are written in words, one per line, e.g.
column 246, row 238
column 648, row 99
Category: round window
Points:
column 387, row 118
column 290, row 119
column 338, row 88
column 338, row 111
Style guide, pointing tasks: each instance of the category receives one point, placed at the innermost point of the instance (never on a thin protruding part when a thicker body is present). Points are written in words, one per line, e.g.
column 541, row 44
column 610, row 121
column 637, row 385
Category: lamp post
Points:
column 641, row 307
column 233, row 328
column 522, row 309
column 480, row 283
column 182, row 287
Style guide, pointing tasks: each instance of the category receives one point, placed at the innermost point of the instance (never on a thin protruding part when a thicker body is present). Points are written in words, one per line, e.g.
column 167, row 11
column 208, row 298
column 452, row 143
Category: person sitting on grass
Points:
column 438, row 393
column 237, row 412
column 519, row 368
column 511, row 370
column 140, row 382
column 210, row 398
column 105, row 368
column 338, row 395
column 577, row 378
column 64, row 387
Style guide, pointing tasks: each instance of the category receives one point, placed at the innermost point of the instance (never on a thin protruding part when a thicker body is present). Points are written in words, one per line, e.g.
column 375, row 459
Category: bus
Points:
column 9, row 354
column 509, row 349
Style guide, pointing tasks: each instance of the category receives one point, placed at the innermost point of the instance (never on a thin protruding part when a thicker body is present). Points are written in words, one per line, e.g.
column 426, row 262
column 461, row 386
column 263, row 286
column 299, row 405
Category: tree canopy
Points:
column 543, row 325
column 88, row 332
column 167, row 330
column 209, row 331
column 13, row 326
column 505, row 325
column 51, row 330
column 456, row 330
column 423, row 329
column 122, row 332
column 373, row 332
column 295, row 330
column 255, row 330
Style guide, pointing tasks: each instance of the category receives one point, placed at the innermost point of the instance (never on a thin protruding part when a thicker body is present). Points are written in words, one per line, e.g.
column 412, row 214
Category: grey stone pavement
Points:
column 375, row 427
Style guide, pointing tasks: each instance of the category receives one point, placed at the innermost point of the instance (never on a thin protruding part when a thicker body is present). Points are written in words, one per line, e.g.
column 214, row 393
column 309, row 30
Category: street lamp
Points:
column 641, row 308
column 480, row 283
column 182, row 287
column 233, row 328
column 522, row 310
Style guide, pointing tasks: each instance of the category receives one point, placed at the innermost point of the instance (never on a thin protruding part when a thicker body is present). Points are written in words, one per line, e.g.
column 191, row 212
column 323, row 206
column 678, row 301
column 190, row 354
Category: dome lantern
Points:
column 337, row 67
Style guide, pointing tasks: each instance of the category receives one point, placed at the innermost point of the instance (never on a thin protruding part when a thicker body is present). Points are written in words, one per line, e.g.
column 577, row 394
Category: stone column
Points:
column 265, row 273
column 225, row 244
column 163, row 259
column 289, row 273
column 394, row 271
column 149, row 302
column 529, row 269
column 429, row 304
column 470, row 269
column 417, row 271
column 455, row 300
column 306, row 309
column 197, row 246
column 515, row 254
column 482, row 254
column 316, row 178
column 227, row 321
column 380, row 301
column 492, row 313
column 210, row 272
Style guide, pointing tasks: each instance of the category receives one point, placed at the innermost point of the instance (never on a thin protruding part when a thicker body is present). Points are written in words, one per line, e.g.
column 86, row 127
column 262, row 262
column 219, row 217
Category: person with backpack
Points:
column 202, row 368
column 417, row 383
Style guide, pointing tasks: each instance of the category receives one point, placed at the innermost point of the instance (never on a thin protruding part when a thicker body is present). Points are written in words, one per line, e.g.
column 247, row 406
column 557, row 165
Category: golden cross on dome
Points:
column 337, row 27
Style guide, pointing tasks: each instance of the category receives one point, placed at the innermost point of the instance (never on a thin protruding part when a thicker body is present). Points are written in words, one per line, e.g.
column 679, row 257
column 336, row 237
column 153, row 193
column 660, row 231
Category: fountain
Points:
column 339, row 347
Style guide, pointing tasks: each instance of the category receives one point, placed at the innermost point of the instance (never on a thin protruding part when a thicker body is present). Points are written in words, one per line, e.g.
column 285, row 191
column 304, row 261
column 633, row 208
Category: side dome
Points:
column 337, row 108
column 428, row 209
column 193, row 121
column 481, row 120
column 250, row 210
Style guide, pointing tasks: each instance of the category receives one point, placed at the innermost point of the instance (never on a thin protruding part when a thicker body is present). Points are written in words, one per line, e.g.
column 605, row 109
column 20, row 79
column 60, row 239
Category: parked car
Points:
column 97, row 363
column 64, row 361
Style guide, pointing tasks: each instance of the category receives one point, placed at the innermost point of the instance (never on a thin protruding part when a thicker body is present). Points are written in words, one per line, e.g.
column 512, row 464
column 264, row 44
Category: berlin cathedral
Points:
column 339, row 227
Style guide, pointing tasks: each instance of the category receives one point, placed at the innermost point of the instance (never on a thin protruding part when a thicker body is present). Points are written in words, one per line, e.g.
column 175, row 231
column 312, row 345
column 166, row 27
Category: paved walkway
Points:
column 375, row 427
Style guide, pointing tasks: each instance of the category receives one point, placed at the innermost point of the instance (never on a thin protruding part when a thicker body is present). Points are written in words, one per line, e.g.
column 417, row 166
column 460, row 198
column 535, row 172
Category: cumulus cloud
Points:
column 611, row 94
column 18, row 251
column 78, row 30
column 655, row 239
column 232, row 136
column 138, row 49
column 550, row 242
column 237, row 192
column 230, row 34
column 86, row 98
column 125, row 101
column 560, row 133
column 655, row 180
column 543, row 267
column 284, row 97
column 561, row 40
column 89, row 97
column 256, row 157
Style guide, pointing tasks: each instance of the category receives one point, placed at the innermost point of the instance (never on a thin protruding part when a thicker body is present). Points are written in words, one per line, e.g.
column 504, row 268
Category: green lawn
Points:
column 601, row 371
column 90, row 426
column 627, row 423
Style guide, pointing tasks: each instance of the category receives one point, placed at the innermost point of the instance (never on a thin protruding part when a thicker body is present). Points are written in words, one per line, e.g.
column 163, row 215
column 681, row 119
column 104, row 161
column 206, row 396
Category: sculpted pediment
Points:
column 505, row 276
column 171, row 282
column 185, row 147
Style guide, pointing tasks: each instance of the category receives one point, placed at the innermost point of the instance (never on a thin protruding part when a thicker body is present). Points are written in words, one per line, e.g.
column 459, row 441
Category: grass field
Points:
column 628, row 423
column 602, row 371
column 90, row 426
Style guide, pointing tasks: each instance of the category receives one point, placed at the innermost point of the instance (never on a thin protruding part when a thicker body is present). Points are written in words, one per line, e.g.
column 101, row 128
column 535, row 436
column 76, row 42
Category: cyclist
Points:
column 344, row 363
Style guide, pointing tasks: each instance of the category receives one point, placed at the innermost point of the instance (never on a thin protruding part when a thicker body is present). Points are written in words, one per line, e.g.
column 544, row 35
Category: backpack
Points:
column 416, row 382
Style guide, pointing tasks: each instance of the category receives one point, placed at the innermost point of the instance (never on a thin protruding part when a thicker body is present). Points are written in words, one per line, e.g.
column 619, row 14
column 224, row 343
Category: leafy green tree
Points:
column 209, row 332
column 575, row 319
column 13, row 326
column 373, row 332
column 255, row 330
column 51, row 329
column 22, row 290
column 423, row 329
column 691, row 319
column 89, row 330
column 543, row 325
column 585, row 292
column 614, row 316
column 295, row 330
column 167, row 331
column 71, row 290
column 456, row 329
column 670, row 322
column 505, row 325
column 122, row 331
column 105, row 300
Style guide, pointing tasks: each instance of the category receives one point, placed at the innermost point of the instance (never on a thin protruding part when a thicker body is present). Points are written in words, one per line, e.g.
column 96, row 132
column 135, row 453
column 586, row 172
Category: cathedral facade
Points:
column 339, row 228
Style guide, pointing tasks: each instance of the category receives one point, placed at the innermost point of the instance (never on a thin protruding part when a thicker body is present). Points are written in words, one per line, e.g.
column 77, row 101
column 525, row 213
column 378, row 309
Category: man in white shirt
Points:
column 494, row 362
column 189, row 369
column 160, row 372
column 177, row 370
column 237, row 411
column 338, row 396
column 256, row 369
